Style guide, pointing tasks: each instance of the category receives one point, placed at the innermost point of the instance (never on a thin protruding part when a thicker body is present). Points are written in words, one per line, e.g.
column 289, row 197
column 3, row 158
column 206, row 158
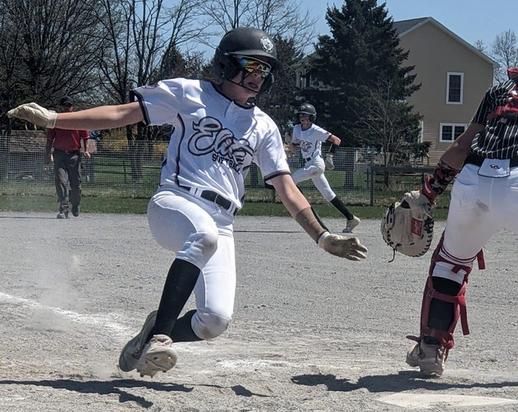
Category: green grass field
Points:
column 113, row 204
column 113, row 189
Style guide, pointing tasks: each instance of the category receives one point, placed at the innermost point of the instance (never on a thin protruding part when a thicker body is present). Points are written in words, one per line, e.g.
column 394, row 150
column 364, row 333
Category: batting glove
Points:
column 341, row 246
column 330, row 164
column 34, row 113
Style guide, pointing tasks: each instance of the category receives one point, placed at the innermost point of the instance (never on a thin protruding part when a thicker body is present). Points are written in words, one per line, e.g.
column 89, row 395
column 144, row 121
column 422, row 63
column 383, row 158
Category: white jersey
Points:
column 310, row 140
column 214, row 140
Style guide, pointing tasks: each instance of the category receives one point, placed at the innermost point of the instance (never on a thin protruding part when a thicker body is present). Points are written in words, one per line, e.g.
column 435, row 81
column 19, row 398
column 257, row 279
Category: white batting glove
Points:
column 34, row 113
column 330, row 164
column 341, row 246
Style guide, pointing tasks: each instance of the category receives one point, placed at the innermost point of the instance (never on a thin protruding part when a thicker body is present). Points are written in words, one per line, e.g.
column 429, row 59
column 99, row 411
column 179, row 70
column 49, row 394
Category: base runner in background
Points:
column 309, row 137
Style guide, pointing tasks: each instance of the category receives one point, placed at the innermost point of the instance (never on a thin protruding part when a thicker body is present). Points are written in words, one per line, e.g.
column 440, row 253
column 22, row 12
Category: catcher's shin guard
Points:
column 443, row 303
column 444, row 300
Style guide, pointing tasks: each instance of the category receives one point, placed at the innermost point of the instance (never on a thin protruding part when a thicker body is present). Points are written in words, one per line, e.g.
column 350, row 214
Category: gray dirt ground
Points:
column 311, row 331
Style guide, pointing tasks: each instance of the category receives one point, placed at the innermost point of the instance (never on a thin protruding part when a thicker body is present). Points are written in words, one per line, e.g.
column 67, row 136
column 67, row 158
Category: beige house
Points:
column 453, row 75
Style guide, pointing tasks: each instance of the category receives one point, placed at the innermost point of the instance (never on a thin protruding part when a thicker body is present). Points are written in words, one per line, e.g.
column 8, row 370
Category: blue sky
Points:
column 470, row 19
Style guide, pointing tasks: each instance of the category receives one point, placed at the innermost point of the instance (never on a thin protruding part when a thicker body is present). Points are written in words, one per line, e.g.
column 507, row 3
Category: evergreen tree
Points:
column 353, row 67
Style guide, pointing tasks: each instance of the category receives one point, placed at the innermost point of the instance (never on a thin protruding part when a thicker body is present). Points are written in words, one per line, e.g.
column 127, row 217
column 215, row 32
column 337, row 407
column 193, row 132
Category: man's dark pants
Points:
column 67, row 172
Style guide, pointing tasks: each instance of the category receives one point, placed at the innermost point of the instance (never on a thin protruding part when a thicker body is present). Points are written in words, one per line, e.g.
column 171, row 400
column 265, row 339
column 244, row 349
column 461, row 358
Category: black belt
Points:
column 68, row 151
column 213, row 197
column 477, row 160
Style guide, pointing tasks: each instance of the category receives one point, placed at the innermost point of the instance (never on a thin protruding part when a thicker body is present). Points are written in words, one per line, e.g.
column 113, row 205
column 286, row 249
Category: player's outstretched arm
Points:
column 297, row 205
column 103, row 117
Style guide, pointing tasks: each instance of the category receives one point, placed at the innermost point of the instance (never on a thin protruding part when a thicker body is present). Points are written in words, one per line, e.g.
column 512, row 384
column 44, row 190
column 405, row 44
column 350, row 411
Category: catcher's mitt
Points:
column 408, row 225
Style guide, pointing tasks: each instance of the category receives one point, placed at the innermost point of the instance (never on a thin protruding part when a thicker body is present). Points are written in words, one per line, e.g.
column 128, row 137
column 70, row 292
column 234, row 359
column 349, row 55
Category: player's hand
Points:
column 290, row 149
column 329, row 161
column 34, row 113
column 87, row 155
column 342, row 246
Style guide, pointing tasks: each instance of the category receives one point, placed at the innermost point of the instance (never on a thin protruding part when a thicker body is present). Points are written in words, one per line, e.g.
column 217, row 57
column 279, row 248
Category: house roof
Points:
column 404, row 27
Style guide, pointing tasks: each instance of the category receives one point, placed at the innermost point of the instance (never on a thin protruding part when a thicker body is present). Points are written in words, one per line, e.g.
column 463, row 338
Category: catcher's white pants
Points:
column 314, row 170
column 199, row 232
column 479, row 207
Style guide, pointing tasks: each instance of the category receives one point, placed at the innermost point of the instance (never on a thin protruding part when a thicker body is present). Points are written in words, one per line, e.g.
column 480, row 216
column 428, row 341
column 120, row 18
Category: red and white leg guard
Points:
column 445, row 337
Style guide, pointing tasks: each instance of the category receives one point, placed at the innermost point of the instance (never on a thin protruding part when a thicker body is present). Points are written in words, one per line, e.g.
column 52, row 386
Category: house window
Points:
column 450, row 131
column 455, row 88
column 421, row 131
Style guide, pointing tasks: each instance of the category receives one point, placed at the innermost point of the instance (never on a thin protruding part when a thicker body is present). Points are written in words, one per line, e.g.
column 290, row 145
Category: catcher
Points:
column 484, row 200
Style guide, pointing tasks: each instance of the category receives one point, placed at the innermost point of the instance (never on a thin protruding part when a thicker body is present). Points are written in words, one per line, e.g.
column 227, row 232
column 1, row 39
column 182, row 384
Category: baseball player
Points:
column 309, row 137
column 217, row 135
column 484, row 200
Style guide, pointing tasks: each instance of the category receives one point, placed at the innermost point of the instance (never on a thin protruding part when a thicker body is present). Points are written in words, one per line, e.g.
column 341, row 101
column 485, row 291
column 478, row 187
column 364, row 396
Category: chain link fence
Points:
column 120, row 169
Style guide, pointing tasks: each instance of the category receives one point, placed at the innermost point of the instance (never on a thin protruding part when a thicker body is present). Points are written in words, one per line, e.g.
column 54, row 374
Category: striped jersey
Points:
column 499, row 139
column 214, row 140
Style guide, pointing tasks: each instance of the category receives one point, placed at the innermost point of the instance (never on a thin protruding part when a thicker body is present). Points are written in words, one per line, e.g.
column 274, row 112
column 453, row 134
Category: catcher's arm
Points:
column 299, row 208
column 450, row 163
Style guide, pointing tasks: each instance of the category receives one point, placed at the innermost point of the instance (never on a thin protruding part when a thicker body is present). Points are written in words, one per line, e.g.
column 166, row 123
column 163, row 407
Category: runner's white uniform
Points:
column 310, row 141
column 212, row 146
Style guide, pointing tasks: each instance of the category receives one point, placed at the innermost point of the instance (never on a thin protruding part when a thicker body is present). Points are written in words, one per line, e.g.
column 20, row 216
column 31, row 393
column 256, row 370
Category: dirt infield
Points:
column 310, row 331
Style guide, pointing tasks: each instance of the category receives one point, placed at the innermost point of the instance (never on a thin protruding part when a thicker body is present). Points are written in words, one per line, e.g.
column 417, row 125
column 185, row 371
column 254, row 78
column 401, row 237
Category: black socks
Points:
column 336, row 202
column 179, row 285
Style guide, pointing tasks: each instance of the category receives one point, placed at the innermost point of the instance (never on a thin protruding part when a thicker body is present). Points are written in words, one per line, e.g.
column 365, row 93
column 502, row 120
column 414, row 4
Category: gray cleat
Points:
column 131, row 352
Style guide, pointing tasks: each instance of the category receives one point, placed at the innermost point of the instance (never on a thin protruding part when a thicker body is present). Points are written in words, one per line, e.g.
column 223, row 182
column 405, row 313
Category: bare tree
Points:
column 282, row 18
column 184, row 27
column 391, row 125
column 480, row 46
column 505, row 53
column 56, row 46
column 143, row 35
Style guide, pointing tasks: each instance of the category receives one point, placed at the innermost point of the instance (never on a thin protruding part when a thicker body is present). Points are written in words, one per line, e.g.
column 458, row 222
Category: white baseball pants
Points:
column 314, row 170
column 480, row 206
column 182, row 223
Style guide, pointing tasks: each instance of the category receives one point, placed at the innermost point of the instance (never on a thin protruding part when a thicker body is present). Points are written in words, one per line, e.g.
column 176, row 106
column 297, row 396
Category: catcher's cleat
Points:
column 131, row 352
column 351, row 224
column 158, row 355
column 60, row 215
column 429, row 358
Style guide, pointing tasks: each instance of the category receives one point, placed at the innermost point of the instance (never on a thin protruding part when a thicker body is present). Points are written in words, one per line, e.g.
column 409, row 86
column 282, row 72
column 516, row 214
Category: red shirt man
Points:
column 67, row 160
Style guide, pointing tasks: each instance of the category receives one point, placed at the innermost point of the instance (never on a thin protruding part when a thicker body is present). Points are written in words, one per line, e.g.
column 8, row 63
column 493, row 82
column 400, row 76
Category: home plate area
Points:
column 429, row 401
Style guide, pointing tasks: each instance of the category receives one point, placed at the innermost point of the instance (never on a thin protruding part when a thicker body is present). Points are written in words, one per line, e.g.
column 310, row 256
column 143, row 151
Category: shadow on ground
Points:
column 402, row 381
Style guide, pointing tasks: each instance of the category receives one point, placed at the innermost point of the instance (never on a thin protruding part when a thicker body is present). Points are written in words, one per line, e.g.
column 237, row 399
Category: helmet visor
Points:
column 250, row 65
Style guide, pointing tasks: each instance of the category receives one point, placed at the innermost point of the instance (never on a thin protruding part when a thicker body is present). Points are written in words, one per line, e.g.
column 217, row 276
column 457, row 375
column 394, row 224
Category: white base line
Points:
column 101, row 321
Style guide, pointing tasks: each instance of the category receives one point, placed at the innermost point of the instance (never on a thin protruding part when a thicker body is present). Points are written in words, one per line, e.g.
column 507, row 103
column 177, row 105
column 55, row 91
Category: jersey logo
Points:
column 306, row 146
column 211, row 137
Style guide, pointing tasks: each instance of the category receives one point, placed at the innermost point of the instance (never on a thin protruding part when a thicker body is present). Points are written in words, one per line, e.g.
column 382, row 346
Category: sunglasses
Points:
column 254, row 66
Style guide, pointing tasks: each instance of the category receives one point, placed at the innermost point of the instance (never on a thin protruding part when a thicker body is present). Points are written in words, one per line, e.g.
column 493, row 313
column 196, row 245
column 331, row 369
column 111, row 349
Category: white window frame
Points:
column 453, row 125
column 461, row 87
column 421, row 131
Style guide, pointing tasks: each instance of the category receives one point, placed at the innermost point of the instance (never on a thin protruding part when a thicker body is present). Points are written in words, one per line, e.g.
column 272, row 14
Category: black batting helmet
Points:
column 247, row 42
column 309, row 109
